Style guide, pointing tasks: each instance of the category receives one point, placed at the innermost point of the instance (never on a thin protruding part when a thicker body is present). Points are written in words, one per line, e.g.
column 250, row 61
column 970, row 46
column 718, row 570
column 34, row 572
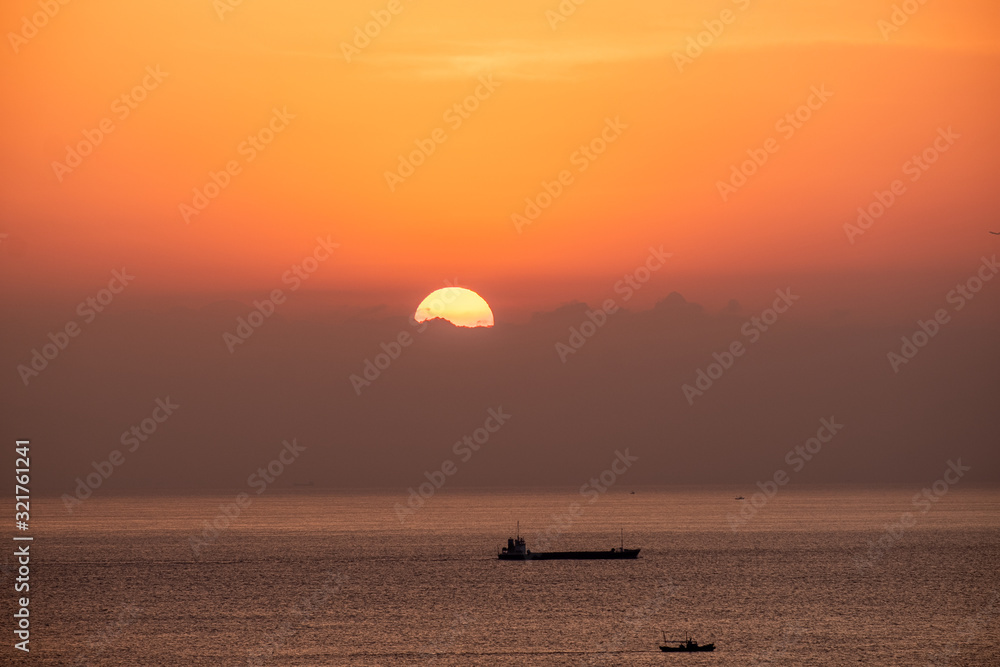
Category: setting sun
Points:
column 462, row 307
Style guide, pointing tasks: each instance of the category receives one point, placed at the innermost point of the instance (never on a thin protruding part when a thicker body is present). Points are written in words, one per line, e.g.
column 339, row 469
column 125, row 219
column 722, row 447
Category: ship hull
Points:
column 617, row 554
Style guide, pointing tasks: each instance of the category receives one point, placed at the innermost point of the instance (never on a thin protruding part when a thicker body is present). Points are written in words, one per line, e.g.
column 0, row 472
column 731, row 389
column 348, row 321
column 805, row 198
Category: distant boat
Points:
column 516, row 550
column 740, row 498
column 685, row 646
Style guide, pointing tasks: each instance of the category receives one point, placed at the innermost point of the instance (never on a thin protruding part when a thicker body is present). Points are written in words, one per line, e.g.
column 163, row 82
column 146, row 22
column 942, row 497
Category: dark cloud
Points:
column 621, row 389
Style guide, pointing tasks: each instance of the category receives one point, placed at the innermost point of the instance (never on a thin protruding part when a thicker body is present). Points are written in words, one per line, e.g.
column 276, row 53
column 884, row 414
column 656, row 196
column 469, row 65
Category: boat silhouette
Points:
column 685, row 646
column 517, row 550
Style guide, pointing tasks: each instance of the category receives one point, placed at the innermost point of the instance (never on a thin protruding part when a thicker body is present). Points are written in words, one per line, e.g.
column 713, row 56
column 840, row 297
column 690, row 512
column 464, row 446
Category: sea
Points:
column 829, row 575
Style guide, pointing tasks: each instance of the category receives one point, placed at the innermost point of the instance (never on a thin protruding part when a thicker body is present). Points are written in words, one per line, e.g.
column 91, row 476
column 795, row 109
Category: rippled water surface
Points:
column 314, row 578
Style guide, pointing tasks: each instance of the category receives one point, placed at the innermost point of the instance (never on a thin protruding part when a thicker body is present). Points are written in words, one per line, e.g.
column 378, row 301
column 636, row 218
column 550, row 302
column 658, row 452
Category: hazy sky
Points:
column 209, row 152
column 657, row 183
column 624, row 388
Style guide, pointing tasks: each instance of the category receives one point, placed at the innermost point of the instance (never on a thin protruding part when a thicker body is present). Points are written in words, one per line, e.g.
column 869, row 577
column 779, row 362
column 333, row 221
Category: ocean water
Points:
column 817, row 576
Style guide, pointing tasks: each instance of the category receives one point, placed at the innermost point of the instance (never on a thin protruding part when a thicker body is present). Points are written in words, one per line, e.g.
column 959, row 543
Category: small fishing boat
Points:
column 685, row 646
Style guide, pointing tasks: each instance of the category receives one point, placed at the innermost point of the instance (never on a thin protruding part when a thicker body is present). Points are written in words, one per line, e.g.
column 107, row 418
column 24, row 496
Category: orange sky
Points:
column 551, row 91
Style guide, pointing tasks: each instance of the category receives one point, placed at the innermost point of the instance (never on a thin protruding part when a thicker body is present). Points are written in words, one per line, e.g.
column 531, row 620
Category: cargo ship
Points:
column 517, row 550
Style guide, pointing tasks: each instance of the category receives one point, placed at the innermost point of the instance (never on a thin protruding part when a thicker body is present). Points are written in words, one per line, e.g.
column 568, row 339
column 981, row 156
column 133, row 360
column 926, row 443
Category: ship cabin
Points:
column 515, row 546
